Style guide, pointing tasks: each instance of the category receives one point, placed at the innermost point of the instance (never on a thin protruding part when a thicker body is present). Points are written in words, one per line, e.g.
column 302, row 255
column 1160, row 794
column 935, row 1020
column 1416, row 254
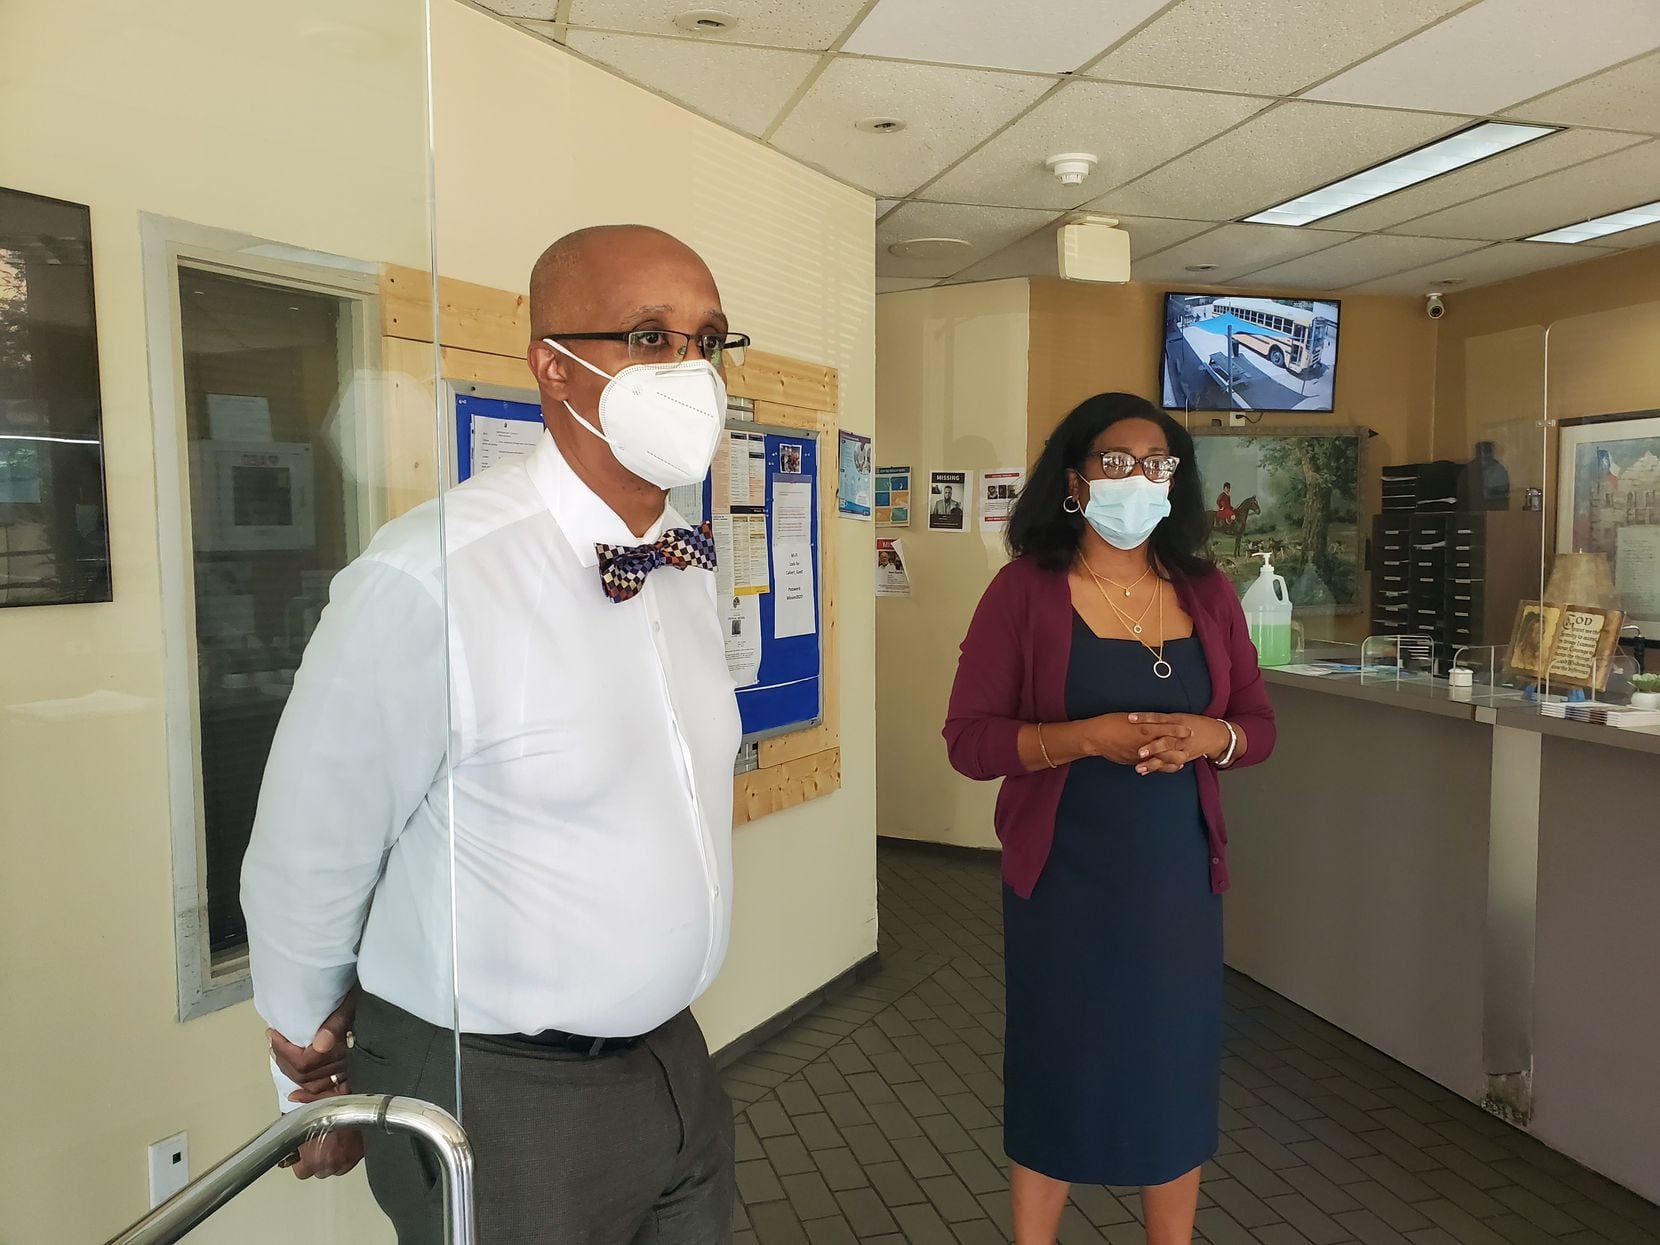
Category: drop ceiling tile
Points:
column 898, row 285
column 987, row 230
column 946, row 112
column 1285, row 152
column 1364, row 259
column 1498, row 53
column 743, row 87
column 1131, row 128
column 1609, row 184
column 1483, row 267
column 1545, row 155
column 1235, row 250
column 1034, row 255
column 1269, row 47
column 1055, row 37
column 1627, row 98
column 536, row 10
column 884, row 206
column 810, row 24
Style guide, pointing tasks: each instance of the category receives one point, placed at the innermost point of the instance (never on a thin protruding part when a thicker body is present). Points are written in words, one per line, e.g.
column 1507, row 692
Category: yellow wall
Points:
column 528, row 140
column 951, row 395
column 307, row 125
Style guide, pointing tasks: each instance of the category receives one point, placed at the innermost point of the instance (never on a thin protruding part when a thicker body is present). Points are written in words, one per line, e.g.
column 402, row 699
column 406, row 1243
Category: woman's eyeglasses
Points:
column 670, row 346
column 1120, row 465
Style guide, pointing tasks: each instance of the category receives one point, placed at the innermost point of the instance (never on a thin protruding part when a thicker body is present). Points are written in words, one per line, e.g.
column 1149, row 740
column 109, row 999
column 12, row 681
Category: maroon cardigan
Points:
column 1013, row 671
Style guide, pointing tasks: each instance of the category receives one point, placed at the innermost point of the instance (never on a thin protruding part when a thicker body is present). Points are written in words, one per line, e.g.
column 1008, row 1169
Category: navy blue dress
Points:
column 1113, row 1058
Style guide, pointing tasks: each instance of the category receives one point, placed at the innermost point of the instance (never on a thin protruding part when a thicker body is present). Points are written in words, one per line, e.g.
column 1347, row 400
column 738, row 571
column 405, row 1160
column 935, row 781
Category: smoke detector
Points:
column 705, row 22
column 1071, row 168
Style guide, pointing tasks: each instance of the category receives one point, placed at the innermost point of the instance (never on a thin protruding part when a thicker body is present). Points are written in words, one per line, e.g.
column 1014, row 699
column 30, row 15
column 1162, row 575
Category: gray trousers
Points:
column 629, row 1148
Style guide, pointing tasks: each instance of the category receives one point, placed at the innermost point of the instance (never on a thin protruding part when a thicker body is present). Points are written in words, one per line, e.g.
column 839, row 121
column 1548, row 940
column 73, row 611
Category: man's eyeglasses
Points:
column 669, row 346
column 1120, row 465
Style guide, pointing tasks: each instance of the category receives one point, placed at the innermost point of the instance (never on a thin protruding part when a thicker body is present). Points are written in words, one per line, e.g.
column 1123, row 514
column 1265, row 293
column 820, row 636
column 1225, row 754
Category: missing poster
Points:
column 948, row 498
column 892, row 579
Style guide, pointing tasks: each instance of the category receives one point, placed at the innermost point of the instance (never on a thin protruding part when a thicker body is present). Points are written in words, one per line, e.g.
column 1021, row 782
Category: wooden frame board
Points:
column 484, row 333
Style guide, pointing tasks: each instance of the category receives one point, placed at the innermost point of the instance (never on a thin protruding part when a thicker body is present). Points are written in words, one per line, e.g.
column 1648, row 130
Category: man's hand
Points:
column 319, row 1069
column 333, row 1154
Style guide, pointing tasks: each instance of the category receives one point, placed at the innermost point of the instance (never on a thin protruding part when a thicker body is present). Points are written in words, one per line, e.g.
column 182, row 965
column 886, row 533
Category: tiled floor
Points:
column 877, row 1118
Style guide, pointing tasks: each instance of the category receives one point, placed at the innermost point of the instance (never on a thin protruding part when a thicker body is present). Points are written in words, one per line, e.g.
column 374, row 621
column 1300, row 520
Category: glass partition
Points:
column 224, row 732
column 1599, row 598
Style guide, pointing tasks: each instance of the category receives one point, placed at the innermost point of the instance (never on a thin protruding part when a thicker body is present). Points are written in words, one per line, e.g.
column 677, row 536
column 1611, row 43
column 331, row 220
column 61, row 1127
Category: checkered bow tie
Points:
column 623, row 568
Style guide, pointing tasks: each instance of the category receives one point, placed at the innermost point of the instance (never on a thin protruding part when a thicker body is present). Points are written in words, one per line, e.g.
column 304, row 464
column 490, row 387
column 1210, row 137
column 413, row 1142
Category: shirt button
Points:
column 657, row 627
column 1215, row 860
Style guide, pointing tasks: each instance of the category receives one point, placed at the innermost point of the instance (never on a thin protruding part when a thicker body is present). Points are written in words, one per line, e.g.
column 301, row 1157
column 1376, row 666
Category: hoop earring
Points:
column 1071, row 506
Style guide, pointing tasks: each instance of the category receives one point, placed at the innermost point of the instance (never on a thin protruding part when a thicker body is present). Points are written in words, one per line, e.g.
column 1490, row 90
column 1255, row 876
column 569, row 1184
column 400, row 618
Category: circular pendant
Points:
column 1136, row 629
column 1162, row 668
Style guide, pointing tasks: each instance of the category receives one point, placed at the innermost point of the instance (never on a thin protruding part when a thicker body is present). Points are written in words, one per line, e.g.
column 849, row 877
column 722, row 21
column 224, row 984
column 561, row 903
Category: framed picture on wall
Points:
column 1608, row 502
column 54, row 531
column 1292, row 493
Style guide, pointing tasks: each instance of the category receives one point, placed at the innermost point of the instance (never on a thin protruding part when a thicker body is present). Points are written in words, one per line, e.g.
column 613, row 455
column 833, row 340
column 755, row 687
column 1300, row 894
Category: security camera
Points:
column 1434, row 308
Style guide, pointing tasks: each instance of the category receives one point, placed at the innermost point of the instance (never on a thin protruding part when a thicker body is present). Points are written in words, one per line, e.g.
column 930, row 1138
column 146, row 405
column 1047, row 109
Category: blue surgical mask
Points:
column 1125, row 512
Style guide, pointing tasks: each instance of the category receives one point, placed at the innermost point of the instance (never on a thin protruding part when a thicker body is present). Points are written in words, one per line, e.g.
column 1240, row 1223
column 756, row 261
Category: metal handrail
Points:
column 220, row 1183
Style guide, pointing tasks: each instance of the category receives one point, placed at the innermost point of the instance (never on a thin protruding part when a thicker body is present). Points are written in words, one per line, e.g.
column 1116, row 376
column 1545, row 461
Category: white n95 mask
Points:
column 662, row 420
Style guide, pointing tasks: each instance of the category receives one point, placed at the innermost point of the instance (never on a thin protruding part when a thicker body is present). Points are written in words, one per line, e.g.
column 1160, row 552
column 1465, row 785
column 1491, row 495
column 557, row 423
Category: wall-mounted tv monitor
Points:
column 1229, row 352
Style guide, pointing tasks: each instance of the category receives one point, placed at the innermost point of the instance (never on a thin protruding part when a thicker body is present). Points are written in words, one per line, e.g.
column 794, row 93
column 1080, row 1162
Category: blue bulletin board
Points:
column 787, row 693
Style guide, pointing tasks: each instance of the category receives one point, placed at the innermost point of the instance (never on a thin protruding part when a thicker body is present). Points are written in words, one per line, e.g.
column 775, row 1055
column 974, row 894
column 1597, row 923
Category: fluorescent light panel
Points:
column 1456, row 151
column 1602, row 226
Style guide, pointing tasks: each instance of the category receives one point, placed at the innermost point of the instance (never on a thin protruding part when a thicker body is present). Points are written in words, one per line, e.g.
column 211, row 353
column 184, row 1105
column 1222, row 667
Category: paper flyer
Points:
column 998, row 490
column 892, row 579
column 893, row 496
column 741, row 626
column 794, row 609
column 854, row 488
column 499, row 440
column 948, row 499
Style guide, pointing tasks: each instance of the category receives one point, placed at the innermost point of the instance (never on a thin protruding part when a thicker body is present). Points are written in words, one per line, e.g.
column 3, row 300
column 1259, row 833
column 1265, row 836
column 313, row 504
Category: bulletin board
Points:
column 481, row 333
column 786, row 694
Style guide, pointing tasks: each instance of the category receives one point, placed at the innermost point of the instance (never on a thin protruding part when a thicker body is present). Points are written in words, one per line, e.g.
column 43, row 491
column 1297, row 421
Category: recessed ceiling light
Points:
column 1443, row 156
column 1602, row 226
column 705, row 21
column 880, row 125
column 1200, row 267
column 928, row 248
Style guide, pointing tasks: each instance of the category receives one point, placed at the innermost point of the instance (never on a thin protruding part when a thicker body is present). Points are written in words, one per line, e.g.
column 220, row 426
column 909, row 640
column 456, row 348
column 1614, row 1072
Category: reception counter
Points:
column 1470, row 887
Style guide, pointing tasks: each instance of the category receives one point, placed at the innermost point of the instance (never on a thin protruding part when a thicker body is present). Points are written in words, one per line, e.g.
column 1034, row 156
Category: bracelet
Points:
column 1233, row 745
column 1041, row 748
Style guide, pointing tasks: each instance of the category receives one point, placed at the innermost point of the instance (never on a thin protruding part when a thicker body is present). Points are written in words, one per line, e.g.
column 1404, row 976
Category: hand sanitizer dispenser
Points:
column 1268, row 614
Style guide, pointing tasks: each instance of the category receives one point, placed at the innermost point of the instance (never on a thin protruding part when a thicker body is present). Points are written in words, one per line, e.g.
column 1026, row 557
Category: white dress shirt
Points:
column 579, row 751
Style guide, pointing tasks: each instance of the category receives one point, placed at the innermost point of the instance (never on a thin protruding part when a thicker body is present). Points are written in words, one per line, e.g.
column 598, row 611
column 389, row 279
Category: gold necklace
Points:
column 1161, row 668
column 1135, row 624
column 1126, row 591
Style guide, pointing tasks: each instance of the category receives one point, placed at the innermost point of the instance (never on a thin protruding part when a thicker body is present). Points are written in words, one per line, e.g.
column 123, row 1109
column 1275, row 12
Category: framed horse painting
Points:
column 1292, row 493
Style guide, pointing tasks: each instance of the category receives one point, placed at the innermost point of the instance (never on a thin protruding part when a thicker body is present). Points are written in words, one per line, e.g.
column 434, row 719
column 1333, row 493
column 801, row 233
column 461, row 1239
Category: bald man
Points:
column 574, row 749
